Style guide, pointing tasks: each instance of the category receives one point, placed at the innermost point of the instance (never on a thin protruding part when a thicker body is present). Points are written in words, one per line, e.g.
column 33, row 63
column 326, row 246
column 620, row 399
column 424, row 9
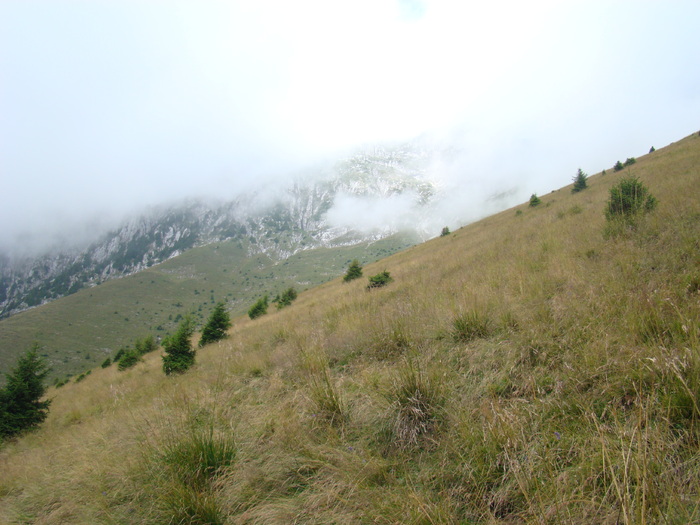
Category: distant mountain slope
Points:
column 278, row 223
column 79, row 331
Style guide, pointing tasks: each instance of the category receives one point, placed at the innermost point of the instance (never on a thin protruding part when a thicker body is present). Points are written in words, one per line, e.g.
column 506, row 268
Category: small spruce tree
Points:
column 534, row 201
column 179, row 353
column 354, row 271
column 215, row 329
column 21, row 407
column 128, row 359
column 287, row 298
column 445, row 232
column 379, row 280
column 580, row 183
column 258, row 309
column 146, row 345
column 628, row 199
column 118, row 355
column 618, row 166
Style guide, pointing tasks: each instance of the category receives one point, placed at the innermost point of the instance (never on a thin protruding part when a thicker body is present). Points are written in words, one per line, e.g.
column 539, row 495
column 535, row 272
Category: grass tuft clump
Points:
column 417, row 406
column 182, row 470
column 682, row 395
column 471, row 325
column 197, row 456
column 187, row 506
column 328, row 402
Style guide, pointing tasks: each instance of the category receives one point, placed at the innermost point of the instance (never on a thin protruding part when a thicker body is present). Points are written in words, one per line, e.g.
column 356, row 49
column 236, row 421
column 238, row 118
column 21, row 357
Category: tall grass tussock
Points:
column 528, row 368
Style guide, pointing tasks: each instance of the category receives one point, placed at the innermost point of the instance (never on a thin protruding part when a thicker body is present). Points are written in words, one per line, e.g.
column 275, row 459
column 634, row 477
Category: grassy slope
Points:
column 575, row 401
column 79, row 331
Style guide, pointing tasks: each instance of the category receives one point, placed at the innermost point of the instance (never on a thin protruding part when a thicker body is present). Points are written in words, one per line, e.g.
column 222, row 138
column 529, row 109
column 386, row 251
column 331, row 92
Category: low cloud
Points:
column 117, row 107
column 374, row 214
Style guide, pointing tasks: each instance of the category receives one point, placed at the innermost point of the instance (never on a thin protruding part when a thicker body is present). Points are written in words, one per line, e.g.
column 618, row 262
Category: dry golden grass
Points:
column 577, row 403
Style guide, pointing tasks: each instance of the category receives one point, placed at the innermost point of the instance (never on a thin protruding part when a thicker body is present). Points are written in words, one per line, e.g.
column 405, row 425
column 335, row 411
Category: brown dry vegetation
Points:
column 524, row 369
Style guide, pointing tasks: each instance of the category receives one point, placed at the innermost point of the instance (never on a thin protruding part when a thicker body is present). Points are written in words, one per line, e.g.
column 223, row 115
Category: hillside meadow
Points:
column 78, row 332
column 528, row 368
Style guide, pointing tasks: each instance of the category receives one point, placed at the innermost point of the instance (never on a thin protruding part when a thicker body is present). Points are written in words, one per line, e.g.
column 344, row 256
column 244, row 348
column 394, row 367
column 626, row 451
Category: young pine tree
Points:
column 629, row 198
column 258, row 309
column 287, row 298
column 354, row 271
column 128, row 359
column 580, row 183
column 379, row 280
column 179, row 353
column 21, row 407
column 215, row 329
column 146, row 345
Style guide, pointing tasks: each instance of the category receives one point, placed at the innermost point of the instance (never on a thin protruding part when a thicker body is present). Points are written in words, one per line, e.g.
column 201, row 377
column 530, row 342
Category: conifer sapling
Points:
column 179, row 354
column 354, row 271
column 21, row 407
column 580, row 183
column 215, row 329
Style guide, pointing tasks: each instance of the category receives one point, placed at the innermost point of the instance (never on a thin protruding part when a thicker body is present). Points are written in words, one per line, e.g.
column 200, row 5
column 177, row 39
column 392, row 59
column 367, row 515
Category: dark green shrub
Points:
column 618, row 166
column 630, row 161
column 258, row 309
column 354, row 271
column 118, row 355
column 215, row 329
column 534, row 201
column 82, row 376
column 580, row 183
column 146, row 345
column 21, row 407
column 652, row 149
column 286, row 298
column 445, row 232
column 628, row 199
column 106, row 363
column 128, row 359
column 179, row 354
column 379, row 280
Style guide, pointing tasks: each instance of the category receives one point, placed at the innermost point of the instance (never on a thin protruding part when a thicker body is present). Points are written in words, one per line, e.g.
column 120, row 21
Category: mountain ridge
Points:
column 292, row 220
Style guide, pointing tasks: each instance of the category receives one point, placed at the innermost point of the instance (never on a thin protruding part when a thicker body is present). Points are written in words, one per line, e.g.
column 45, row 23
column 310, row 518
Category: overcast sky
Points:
column 107, row 106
